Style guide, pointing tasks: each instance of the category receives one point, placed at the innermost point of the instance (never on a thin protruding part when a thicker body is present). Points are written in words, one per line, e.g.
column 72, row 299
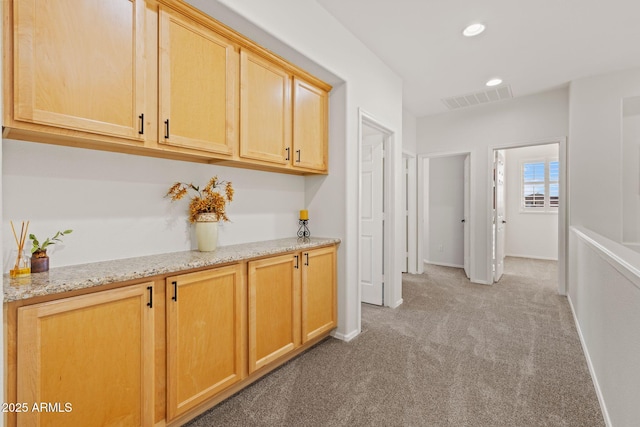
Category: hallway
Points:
column 454, row 354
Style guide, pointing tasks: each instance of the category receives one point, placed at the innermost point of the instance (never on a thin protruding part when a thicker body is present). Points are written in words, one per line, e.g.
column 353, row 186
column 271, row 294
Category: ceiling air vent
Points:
column 478, row 98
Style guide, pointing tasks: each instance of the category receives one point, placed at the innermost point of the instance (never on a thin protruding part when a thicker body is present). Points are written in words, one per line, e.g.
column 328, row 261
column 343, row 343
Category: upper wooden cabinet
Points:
column 157, row 78
column 79, row 65
column 283, row 118
column 265, row 110
column 198, row 80
column 310, row 139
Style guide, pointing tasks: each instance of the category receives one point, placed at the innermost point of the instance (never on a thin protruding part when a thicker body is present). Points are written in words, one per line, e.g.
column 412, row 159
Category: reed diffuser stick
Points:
column 17, row 267
column 26, row 233
column 14, row 234
column 20, row 242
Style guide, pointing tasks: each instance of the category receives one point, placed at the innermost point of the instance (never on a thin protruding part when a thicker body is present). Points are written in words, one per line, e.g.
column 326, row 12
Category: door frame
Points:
column 412, row 233
column 422, row 214
column 494, row 214
column 563, row 209
column 466, row 212
column 389, row 246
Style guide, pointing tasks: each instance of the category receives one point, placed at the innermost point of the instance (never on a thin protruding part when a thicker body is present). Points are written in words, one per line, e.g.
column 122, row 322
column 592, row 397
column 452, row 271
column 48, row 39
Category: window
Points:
column 540, row 185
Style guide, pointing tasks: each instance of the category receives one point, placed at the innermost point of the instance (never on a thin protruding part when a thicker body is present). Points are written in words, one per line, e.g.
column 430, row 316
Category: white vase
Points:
column 207, row 232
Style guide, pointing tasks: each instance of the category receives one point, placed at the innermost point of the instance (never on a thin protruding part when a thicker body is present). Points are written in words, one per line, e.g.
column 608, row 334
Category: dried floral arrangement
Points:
column 213, row 198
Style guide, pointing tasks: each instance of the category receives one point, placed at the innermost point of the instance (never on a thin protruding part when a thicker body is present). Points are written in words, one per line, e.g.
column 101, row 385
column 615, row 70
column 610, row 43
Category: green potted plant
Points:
column 39, row 258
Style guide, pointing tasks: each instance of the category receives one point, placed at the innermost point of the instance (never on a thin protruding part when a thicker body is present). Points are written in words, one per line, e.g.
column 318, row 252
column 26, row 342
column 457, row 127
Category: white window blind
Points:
column 554, row 186
column 540, row 187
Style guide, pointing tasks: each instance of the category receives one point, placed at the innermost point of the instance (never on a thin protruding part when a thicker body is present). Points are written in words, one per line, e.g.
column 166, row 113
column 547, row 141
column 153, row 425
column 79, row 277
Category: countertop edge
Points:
column 83, row 276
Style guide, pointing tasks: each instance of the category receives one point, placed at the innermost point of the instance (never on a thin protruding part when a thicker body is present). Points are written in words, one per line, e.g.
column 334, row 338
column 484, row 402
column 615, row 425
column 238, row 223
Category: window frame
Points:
column 546, row 207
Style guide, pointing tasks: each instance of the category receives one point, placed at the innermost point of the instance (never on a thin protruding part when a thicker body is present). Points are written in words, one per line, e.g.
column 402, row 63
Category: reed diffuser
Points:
column 22, row 267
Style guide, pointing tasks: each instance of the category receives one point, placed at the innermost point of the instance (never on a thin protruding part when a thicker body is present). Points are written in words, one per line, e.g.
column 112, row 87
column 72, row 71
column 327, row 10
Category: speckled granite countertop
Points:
column 64, row 279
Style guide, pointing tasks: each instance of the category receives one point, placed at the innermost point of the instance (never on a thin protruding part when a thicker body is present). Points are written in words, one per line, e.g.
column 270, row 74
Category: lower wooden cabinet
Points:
column 206, row 327
column 88, row 359
column 99, row 359
column 274, row 309
column 318, row 292
column 292, row 299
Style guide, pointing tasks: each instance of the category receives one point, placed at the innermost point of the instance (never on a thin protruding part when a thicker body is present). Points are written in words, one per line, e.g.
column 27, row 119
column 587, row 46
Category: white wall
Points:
column 604, row 292
column 115, row 202
column 409, row 124
column 631, row 171
column 595, row 150
column 528, row 234
column 604, row 296
column 444, row 231
column 479, row 130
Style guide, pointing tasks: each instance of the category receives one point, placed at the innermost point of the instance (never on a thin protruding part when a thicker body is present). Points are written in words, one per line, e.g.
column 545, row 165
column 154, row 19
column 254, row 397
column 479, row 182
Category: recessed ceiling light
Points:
column 494, row 82
column 473, row 30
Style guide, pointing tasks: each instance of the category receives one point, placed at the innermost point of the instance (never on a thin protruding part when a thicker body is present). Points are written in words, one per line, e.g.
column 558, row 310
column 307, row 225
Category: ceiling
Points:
column 532, row 45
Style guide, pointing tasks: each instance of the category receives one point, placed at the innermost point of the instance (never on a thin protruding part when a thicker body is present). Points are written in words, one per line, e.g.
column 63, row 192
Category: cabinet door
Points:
column 205, row 330
column 274, row 309
column 310, row 125
column 198, row 86
column 265, row 110
column 318, row 292
column 91, row 357
column 79, row 65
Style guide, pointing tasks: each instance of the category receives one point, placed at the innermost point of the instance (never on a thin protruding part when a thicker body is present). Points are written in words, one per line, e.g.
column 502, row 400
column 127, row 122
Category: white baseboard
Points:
column 443, row 264
column 397, row 303
column 533, row 257
column 345, row 337
column 603, row 406
column 481, row 282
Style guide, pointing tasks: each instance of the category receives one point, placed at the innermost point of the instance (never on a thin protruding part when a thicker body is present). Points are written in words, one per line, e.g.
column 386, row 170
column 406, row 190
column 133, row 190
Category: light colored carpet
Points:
column 454, row 354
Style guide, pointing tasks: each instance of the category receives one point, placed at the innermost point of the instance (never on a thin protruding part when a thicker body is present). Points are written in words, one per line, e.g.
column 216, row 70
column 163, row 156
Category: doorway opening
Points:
column 444, row 204
column 527, row 218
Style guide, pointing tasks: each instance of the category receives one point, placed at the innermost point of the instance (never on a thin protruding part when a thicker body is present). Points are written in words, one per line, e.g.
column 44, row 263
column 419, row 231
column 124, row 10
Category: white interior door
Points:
column 371, row 220
column 499, row 217
column 467, row 216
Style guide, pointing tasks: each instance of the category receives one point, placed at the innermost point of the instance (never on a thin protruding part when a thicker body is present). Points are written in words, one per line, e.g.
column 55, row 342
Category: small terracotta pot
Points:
column 39, row 264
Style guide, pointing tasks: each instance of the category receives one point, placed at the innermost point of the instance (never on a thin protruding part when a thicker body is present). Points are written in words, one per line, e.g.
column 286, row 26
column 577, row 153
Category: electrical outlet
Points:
column 441, row 248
